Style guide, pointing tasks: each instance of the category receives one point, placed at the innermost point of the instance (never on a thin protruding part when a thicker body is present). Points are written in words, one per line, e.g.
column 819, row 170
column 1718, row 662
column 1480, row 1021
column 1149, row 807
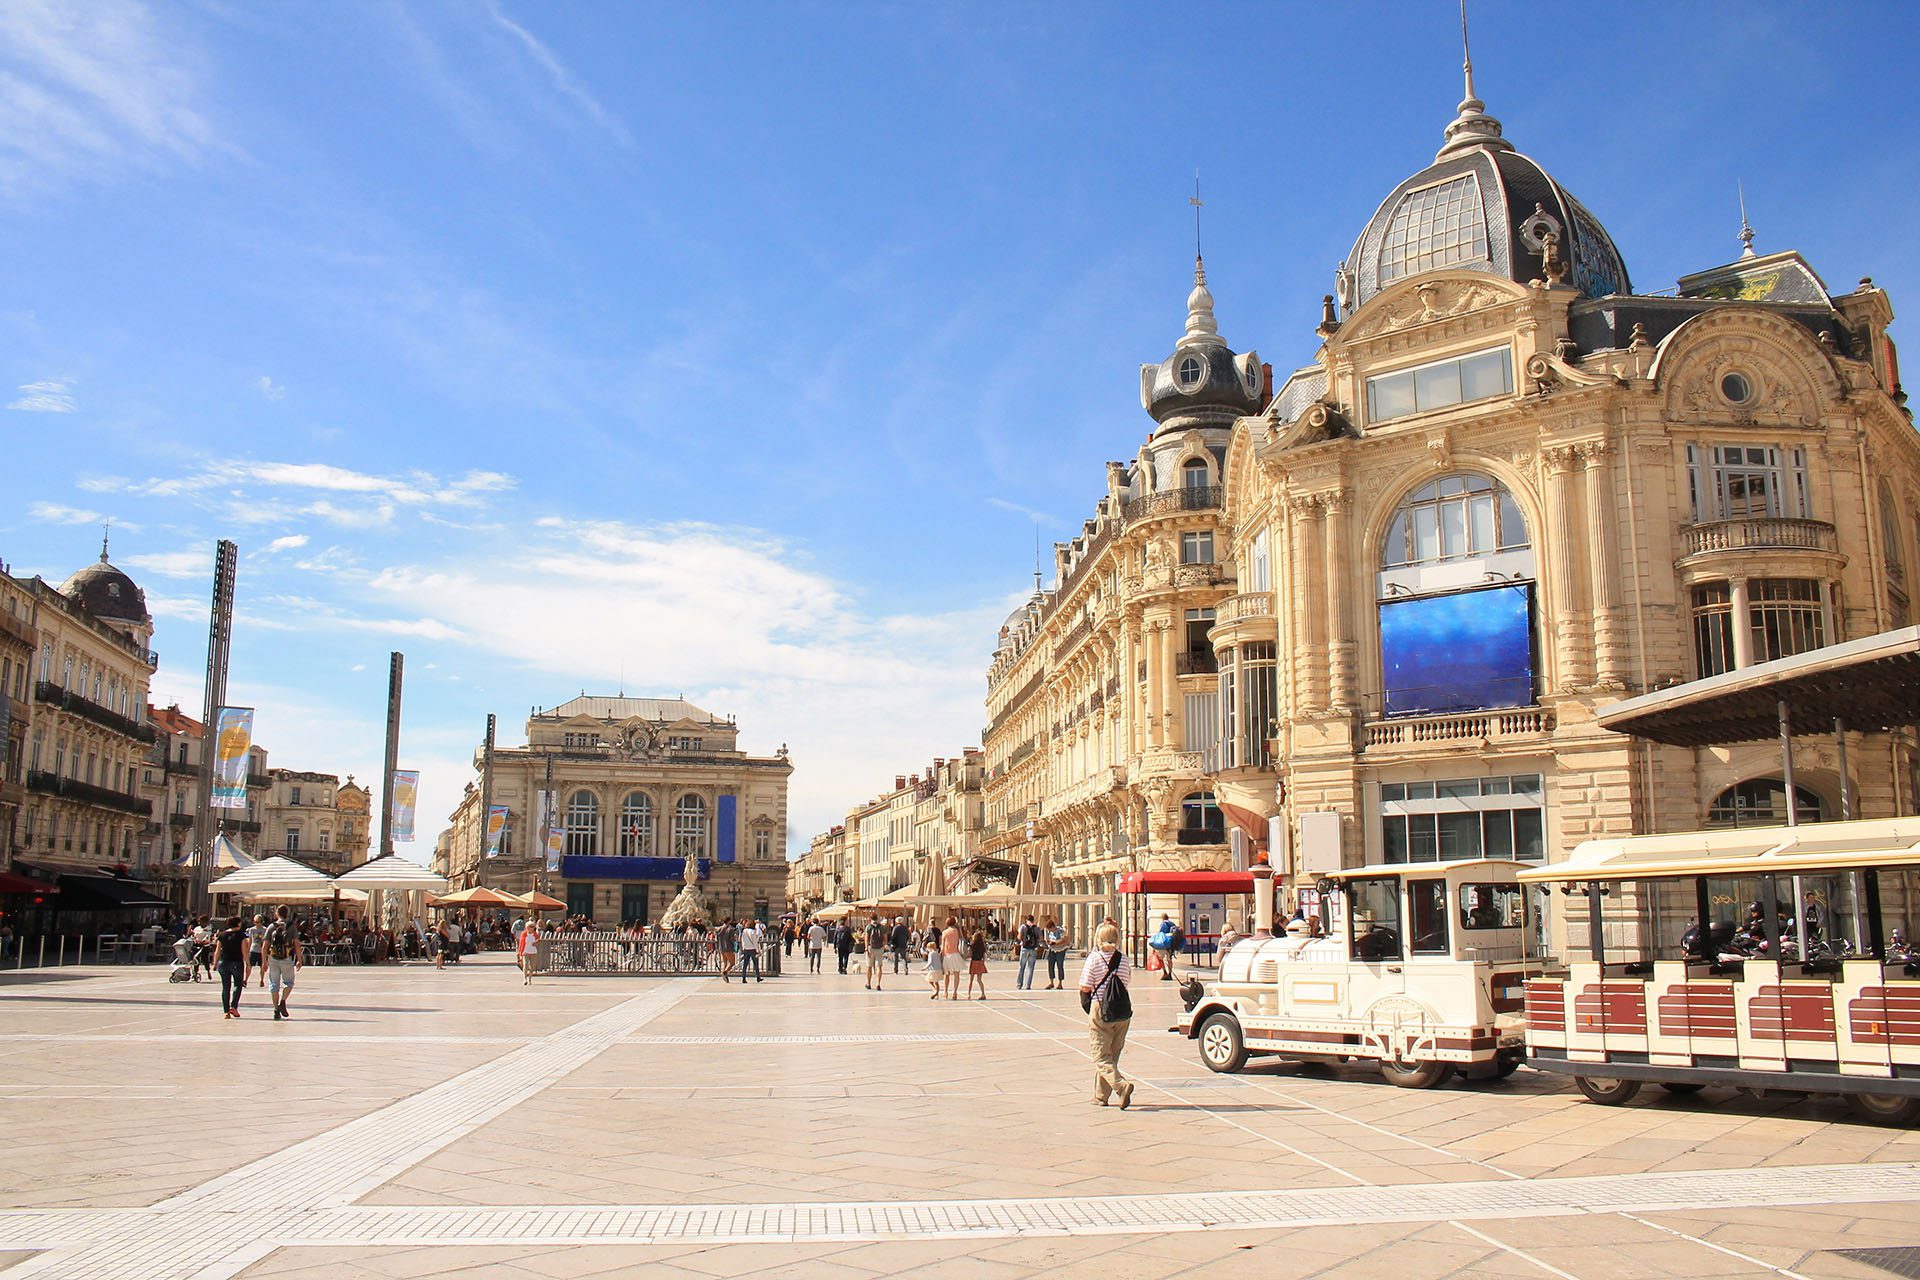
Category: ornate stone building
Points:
column 642, row 784
column 1508, row 491
column 315, row 818
column 19, row 641
column 886, row 842
column 87, row 732
column 1370, row 616
column 1102, row 697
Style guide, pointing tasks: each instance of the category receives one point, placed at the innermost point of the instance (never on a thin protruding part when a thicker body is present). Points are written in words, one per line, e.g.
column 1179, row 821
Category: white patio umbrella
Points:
column 391, row 874
column 277, row 874
column 227, row 856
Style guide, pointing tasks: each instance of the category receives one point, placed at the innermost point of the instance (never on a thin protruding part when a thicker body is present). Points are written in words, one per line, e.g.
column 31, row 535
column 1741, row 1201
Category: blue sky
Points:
column 737, row 350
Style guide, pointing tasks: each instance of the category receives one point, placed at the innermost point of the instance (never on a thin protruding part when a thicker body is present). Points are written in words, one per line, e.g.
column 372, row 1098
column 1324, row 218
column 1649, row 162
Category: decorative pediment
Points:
column 1741, row 366
column 1318, row 422
column 1426, row 302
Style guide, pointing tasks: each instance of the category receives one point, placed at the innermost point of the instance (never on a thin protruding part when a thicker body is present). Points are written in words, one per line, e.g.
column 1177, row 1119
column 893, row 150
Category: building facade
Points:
column 86, row 734
column 1369, row 616
column 316, row 819
column 642, row 784
column 19, row 642
column 886, row 842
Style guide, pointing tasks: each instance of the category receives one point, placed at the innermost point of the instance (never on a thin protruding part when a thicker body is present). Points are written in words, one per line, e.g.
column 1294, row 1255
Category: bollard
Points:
column 41, row 963
column 61, row 957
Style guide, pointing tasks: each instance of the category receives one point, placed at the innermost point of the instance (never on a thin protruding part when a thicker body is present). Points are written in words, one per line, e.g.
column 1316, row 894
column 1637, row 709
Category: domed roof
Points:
column 1480, row 206
column 1203, row 383
column 107, row 593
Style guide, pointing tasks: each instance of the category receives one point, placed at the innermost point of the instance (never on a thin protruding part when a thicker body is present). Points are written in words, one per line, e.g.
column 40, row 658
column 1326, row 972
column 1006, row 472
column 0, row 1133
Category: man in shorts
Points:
column 283, row 961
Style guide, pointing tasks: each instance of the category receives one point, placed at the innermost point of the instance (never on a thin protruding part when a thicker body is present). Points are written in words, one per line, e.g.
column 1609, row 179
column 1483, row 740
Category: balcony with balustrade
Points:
column 1757, row 533
column 1490, row 729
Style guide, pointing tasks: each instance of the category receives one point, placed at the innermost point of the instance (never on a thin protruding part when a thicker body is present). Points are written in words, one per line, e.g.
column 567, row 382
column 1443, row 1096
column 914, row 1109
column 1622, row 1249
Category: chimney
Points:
column 899, row 781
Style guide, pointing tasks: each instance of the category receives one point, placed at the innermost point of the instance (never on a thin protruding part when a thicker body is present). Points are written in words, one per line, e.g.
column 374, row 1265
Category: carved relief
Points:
column 1435, row 300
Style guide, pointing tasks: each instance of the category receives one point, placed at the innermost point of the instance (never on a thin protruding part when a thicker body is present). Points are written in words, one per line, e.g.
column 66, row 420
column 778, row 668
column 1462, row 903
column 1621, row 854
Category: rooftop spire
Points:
column 1200, row 305
column 105, row 530
column 1472, row 127
column 1746, row 232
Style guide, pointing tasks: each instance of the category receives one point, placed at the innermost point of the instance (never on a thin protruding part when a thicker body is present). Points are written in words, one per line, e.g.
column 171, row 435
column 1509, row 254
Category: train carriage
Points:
column 1775, row 959
column 1418, row 968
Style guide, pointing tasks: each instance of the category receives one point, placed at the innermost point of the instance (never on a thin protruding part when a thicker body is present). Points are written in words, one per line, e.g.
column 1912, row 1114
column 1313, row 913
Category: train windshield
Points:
column 1490, row 906
column 1373, row 917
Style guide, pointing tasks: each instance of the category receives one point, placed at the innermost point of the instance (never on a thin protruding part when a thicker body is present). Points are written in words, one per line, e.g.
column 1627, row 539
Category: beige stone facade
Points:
column 641, row 784
column 1372, row 617
column 315, row 818
column 886, row 843
column 86, row 731
column 19, row 642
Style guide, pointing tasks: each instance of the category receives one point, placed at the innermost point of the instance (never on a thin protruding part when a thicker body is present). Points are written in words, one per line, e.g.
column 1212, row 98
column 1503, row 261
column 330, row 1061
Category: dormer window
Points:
column 1194, row 474
column 1190, row 371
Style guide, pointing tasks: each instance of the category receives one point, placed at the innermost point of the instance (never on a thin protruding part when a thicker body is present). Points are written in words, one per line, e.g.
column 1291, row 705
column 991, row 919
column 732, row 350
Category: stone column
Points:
column 1298, row 646
column 1742, row 625
column 1171, row 712
column 1604, row 565
column 1341, row 645
column 1562, row 551
column 1150, row 647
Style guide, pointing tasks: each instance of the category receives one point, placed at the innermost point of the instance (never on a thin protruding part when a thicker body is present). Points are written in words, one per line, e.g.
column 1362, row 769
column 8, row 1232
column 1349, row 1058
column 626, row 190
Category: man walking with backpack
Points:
column 1029, row 940
column 283, row 961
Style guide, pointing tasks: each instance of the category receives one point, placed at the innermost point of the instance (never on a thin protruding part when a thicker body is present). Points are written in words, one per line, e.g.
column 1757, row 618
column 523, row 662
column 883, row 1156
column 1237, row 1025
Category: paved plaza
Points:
column 412, row 1122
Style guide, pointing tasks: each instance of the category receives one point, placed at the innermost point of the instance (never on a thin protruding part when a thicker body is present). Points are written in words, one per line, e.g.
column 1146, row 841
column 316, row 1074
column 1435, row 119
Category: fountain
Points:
column 690, row 907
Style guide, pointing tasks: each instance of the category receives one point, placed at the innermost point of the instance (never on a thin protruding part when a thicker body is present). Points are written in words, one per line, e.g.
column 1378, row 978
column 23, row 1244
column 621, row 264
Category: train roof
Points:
column 1741, row 851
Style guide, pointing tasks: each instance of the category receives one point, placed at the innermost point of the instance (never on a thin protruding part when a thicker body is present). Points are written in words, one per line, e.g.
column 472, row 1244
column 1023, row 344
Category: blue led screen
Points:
column 1458, row 652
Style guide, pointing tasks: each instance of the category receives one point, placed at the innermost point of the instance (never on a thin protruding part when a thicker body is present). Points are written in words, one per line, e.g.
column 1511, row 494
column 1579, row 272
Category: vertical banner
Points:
column 406, row 790
column 725, row 829
column 232, row 740
column 551, row 803
column 496, row 823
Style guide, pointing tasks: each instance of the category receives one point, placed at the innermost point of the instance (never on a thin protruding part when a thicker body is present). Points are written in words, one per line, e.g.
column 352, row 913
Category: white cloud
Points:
column 736, row 620
column 54, row 513
column 269, row 388
column 175, row 564
column 563, row 79
column 86, row 89
column 287, row 543
column 415, row 488
column 50, row 395
column 1038, row 517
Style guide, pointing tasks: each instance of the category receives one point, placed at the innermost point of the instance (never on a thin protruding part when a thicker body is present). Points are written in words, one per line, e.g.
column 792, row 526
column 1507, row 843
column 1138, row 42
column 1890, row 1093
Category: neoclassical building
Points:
column 1370, row 614
column 886, row 842
column 315, row 818
column 642, row 784
column 1508, row 490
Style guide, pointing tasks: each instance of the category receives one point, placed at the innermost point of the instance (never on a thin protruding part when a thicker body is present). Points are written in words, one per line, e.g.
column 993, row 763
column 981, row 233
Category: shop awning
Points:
column 104, row 893
column 1187, row 882
column 11, row 883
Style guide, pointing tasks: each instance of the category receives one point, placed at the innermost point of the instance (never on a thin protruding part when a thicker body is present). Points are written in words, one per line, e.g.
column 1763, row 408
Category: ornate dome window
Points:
column 1437, row 226
column 1190, row 371
column 1736, row 388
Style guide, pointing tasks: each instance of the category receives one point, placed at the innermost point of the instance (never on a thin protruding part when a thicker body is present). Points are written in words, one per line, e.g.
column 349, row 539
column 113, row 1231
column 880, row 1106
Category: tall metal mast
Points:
column 486, row 806
column 226, row 557
column 396, row 666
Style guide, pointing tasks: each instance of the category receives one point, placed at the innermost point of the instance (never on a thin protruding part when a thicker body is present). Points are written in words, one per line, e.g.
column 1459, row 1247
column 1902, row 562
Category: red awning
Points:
column 1187, row 882
column 10, row 883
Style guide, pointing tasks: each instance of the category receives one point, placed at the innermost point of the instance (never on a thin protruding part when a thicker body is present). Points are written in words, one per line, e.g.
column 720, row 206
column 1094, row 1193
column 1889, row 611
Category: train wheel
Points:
column 1222, row 1047
column 1880, row 1108
column 1415, row 1075
column 1682, row 1088
column 1499, row 1069
column 1607, row 1090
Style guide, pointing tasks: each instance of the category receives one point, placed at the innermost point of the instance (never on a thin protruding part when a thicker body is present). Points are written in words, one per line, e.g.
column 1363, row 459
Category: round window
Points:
column 1736, row 388
column 1189, row 371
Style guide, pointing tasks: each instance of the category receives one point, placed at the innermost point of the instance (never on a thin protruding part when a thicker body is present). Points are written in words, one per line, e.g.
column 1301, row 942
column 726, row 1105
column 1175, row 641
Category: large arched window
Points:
column 1762, row 802
column 690, row 827
column 636, row 825
column 1457, row 517
column 583, row 823
column 1437, row 226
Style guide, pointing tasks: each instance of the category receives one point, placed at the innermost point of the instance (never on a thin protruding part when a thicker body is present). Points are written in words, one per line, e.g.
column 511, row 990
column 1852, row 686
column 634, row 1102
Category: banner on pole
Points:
column 406, row 790
column 550, row 827
column 496, row 824
column 232, row 743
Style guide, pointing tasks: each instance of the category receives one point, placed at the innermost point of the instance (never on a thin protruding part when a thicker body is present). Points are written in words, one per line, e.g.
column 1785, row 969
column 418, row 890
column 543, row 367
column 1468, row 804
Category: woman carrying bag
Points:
column 1103, row 994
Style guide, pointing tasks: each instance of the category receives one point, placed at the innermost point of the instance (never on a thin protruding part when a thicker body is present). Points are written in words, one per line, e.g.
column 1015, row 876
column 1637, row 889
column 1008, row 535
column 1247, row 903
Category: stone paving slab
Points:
column 457, row 1104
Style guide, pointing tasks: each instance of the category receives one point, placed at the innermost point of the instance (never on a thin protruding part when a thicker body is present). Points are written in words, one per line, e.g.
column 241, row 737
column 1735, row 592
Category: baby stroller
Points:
column 183, row 967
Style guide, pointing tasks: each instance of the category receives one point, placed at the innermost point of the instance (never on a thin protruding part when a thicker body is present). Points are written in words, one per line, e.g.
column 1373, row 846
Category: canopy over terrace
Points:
column 1871, row 685
column 278, row 878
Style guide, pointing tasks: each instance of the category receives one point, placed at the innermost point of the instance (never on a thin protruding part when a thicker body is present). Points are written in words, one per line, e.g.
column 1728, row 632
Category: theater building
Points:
column 642, row 784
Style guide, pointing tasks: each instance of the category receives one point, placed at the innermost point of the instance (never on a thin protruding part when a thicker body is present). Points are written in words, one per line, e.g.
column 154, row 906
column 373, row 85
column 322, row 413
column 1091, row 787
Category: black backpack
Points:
column 279, row 941
column 1030, row 937
column 1116, row 1005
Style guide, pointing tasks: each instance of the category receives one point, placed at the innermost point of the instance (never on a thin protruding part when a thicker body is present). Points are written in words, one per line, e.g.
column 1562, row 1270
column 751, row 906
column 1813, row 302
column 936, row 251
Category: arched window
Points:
column 1762, row 802
column 1457, row 517
column 636, row 825
column 1194, row 473
column 583, row 823
column 1200, row 820
column 1437, row 226
column 689, row 827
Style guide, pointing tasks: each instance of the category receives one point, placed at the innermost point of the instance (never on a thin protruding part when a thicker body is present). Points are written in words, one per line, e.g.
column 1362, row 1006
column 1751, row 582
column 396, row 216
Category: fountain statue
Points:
column 690, row 907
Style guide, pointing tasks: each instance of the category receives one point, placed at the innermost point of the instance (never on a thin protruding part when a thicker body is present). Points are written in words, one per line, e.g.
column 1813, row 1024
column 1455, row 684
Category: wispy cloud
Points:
column 248, row 492
column 50, row 395
column 88, row 88
column 267, row 387
column 563, row 80
column 1038, row 517
column 287, row 543
column 55, row 513
column 175, row 564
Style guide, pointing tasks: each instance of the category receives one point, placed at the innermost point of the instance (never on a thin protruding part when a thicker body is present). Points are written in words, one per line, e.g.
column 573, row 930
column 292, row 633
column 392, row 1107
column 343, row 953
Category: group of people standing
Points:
column 271, row 950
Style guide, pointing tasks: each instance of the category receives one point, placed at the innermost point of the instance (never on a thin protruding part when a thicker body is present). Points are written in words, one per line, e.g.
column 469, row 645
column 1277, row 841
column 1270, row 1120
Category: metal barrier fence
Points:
column 664, row 955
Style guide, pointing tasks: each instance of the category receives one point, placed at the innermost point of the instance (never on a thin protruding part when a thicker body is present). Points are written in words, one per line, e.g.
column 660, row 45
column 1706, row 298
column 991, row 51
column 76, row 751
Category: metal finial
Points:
column 105, row 530
column 1746, row 232
column 1466, row 49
